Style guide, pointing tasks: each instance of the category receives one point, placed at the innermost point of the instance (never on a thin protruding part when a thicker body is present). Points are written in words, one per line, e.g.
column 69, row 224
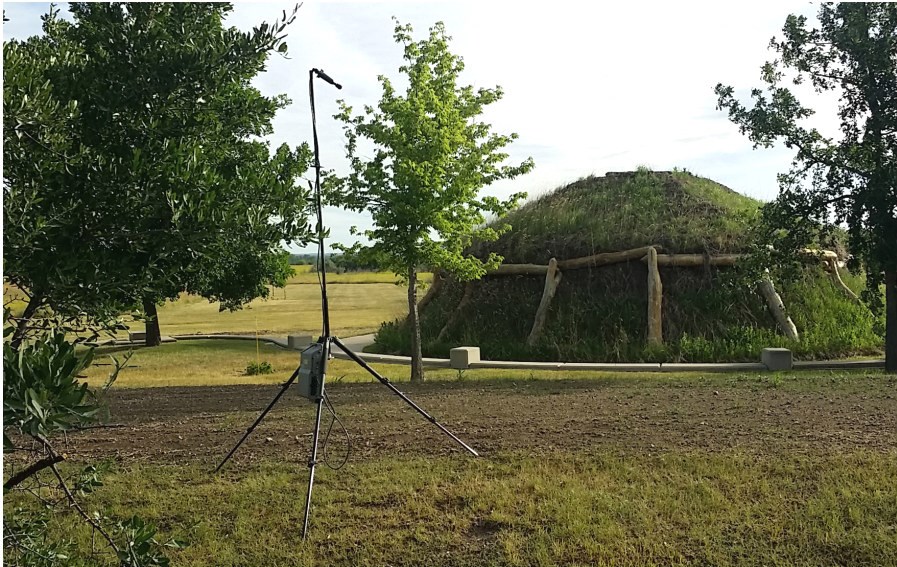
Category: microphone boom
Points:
column 320, row 73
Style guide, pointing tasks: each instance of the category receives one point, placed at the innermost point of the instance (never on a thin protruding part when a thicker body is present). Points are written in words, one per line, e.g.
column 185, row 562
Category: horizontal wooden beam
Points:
column 519, row 270
column 695, row 260
column 821, row 254
column 605, row 258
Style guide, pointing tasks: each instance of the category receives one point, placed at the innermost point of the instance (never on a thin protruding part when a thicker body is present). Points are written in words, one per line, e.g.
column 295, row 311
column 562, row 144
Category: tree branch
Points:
column 74, row 503
column 34, row 468
column 827, row 162
column 837, row 199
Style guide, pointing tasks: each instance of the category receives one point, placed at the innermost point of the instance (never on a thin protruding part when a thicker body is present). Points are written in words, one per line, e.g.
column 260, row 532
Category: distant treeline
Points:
column 302, row 259
column 337, row 263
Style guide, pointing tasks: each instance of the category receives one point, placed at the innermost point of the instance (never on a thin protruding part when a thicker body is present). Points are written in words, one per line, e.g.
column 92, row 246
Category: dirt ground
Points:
column 200, row 424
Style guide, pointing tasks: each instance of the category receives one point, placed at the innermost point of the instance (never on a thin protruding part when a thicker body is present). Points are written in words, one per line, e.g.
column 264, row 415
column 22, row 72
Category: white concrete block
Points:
column 777, row 358
column 299, row 342
column 462, row 357
column 136, row 335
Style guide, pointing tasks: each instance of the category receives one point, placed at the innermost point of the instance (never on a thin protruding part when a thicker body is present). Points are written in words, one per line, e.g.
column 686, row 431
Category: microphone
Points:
column 327, row 78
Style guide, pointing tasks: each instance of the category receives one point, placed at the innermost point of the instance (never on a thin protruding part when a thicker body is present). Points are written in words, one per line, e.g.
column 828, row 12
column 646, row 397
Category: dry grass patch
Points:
column 295, row 309
column 304, row 275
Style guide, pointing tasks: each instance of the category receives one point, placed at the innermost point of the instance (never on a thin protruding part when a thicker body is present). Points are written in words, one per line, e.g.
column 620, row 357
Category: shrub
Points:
column 263, row 367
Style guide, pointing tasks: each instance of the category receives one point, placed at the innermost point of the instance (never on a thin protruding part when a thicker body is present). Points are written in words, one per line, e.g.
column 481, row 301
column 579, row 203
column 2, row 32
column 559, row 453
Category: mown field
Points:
column 576, row 469
column 355, row 309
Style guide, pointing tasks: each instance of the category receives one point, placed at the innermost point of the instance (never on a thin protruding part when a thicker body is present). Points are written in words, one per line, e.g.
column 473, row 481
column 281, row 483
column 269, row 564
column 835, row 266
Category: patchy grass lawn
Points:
column 583, row 468
column 552, row 508
column 223, row 363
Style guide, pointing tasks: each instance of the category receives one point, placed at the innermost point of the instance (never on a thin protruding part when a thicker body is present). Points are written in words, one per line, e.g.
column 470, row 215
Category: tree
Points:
column 431, row 158
column 160, row 183
column 46, row 208
column 849, row 179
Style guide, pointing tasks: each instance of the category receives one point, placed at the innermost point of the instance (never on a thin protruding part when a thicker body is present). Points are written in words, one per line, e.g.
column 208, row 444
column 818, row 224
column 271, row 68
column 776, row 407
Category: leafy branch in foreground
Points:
column 43, row 398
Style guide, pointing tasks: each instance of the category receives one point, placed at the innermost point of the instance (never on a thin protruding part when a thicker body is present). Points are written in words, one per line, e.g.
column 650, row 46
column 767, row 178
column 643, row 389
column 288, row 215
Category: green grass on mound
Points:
column 679, row 211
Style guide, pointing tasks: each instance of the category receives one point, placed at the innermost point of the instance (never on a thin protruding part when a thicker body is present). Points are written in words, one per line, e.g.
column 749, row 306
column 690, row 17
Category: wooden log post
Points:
column 777, row 308
column 552, row 279
column 605, row 258
column 456, row 314
column 435, row 286
column 655, row 301
column 836, row 277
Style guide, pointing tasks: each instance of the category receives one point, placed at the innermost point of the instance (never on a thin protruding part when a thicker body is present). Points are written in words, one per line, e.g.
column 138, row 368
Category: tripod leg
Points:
column 311, row 465
column 283, row 390
column 385, row 381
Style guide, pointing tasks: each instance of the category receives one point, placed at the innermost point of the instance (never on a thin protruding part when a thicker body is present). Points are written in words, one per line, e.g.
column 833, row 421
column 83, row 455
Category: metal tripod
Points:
column 326, row 341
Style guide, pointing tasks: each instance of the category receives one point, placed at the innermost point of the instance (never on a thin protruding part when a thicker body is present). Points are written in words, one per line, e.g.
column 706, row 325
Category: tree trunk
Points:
column 417, row 365
column 891, row 321
column 22, row 324
column 153, row 334
column 429, row 296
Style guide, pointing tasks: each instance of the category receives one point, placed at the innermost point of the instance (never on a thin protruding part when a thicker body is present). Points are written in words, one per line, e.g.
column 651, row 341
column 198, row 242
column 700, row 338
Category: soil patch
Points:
column 201, row 424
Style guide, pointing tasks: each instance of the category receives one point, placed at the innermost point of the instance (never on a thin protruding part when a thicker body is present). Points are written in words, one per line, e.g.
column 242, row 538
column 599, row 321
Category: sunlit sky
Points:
column 590, row 87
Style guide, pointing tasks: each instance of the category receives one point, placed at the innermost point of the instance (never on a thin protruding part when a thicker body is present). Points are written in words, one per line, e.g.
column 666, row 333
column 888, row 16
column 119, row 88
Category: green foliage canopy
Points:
column 134, row 168
column 850, row 179
column 431, row 158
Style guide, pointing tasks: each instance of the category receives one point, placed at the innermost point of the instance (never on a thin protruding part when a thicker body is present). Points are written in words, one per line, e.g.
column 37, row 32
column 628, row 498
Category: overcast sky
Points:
column 590, row 87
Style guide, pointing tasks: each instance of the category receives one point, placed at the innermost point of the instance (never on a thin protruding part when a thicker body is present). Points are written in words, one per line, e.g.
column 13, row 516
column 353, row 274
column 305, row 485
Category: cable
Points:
column 335, row 419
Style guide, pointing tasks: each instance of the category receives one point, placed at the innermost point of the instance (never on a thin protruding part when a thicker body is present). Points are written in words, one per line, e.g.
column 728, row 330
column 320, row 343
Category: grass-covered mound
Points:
column 599, row 314
column 678, row 211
